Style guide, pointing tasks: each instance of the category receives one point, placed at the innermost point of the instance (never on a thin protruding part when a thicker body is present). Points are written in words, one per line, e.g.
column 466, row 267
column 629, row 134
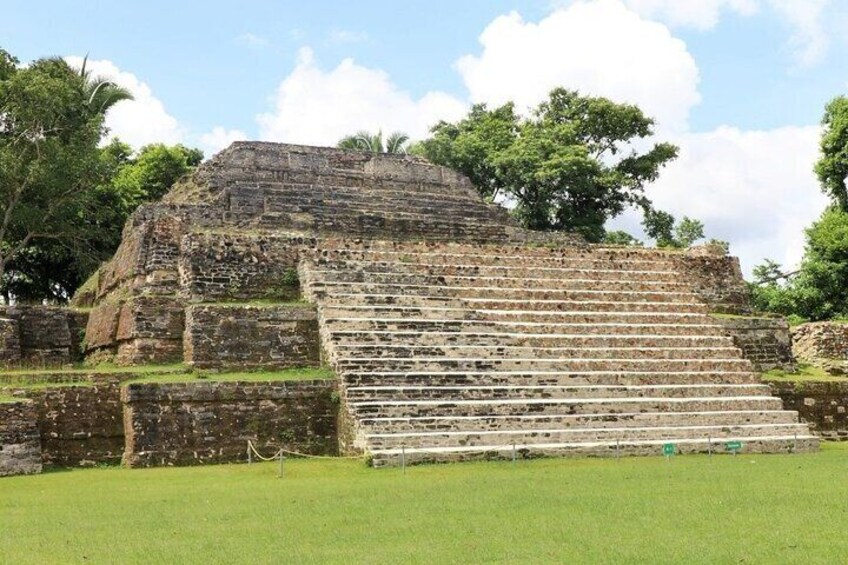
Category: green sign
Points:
column 733, row 445
column 668, row 449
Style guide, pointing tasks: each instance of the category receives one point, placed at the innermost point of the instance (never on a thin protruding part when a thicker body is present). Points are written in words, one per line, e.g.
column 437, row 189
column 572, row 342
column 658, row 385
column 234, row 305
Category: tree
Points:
column 818, row 290
column 373, row 142
column 151, row 174
column 48, row 156
column 832, row 166
column 619, row 237
column 570, row 165
column 667, row 232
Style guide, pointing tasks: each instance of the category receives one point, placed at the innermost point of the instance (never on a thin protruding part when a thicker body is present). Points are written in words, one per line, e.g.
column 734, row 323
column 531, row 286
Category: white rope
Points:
column 297, row 454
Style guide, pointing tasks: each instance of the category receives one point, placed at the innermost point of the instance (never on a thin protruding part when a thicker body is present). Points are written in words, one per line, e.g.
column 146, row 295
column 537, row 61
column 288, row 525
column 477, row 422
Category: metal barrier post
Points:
column 249, row 454
column 710, row 446
column 403, row 458
column 513, row 454
column 281, row 462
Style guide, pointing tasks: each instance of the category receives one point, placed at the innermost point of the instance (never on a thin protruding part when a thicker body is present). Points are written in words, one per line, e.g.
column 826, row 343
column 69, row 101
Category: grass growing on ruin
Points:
column 299, row 374
column 805, row 373
column 691, row 509
column 6, row 399
column 104, row 368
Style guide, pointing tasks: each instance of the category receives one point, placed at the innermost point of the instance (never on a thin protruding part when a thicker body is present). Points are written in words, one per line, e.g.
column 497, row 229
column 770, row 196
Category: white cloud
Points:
column 252, row 40
column 755, row 189
column 314, row 106
column 699, row 14
column 220, row 138
column 140, row 121
column 600, row 48
column 808, row 40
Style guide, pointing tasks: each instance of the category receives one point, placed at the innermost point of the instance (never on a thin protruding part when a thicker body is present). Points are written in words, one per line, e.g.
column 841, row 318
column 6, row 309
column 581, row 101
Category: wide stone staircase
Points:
column 459, row 351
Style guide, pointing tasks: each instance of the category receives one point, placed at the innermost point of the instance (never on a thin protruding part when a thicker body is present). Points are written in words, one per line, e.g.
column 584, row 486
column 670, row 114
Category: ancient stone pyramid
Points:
column 455, row 334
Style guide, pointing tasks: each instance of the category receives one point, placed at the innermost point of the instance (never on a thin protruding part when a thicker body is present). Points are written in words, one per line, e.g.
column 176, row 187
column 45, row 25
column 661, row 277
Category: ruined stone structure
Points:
column 764, row 341
column 455, row 333
column 20, row 450
column 41, row 335
column 824, row 344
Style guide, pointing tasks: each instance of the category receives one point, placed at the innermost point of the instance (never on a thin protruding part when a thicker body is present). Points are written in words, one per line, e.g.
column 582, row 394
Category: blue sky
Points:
column 739, row 84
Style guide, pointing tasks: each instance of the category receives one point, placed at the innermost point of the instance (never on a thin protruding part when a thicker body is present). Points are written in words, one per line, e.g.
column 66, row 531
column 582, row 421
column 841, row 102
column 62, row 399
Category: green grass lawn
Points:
column 691, row 509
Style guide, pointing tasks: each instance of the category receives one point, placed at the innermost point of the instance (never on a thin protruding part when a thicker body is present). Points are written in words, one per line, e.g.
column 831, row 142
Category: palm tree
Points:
column 364, row 140
column 100, row 93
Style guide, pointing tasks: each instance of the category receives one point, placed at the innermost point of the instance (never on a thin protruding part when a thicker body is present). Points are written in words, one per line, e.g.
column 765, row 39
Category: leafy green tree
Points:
column 832, row 167
column 818, row 290
column 667, row 232
column 48, row 157
column 373, row 142
column 151, row 174
column 570, row 165
column 619, row 237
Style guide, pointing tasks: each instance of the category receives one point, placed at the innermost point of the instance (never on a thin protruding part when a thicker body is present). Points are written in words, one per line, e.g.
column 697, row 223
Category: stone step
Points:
column 449, row 393
column 414, row 192
column 568, row 421
column 300, row 198
column 321, row 276
column 550, row 378
column 597, row 405
column 575, row 340
column 765, row 444
column 717, row 434
column 532, row 363
column 496, row 315
column 524, row 305
column 333, row 244
column 518, row 328
column 322, row 289
column 515, row 259
column 605, row 272
column 504, row 352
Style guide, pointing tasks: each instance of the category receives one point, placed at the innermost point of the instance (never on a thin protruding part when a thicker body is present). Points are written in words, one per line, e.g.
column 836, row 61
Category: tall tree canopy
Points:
column 832, row 166
column 63, row 198
column 570, row 165
column 49, row 159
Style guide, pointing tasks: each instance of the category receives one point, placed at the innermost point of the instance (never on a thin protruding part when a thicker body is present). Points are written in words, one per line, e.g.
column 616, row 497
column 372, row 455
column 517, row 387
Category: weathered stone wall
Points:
column 40, row 335
column 717, row 279
column 823, row 405
column 20, row 449
column 241, row 336
column 763, row 341
column 216, row 266
column 10, row 343
column 822, row 343
column 195, row 423
column 79, row 425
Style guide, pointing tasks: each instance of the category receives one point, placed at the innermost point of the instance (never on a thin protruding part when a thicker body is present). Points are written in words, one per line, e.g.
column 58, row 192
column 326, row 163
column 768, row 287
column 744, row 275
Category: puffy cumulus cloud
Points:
column 599, row 47
column 140, row 121
column 314, row 106
column 219, row 138
column 808, row 40
column 755, row 189
column 700, row 14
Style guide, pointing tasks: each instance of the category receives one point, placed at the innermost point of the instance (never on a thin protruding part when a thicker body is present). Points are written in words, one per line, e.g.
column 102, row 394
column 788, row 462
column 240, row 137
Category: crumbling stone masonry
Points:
column 765, row 342
column 824, row 344
column 221, row 336
column 822, row 405
column 189, row 424
column 35, row 335
column 20, row 450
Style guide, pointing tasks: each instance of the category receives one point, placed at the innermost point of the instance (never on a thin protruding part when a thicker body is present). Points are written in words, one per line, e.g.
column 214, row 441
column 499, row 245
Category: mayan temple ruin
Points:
column 454, row 333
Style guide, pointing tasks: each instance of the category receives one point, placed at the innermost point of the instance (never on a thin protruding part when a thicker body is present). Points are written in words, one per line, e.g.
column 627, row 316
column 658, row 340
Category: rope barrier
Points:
column 298, row 454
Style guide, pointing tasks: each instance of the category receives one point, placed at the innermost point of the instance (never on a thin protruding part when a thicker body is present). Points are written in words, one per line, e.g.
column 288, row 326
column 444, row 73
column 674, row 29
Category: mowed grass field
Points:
column 691, row 509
